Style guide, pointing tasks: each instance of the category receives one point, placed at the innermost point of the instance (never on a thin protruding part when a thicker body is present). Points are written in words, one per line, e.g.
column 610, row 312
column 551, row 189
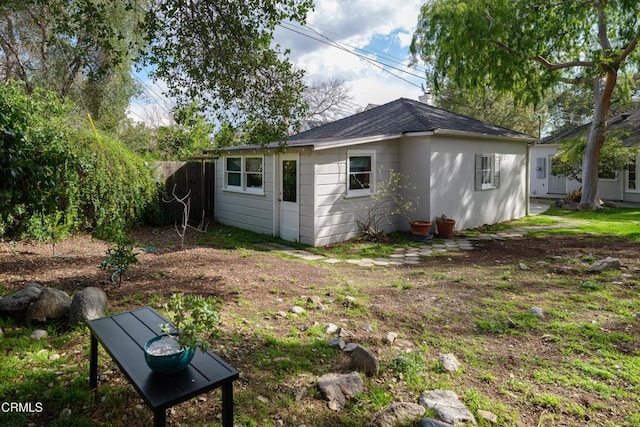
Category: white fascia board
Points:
column 320, row 145
column 483, row 135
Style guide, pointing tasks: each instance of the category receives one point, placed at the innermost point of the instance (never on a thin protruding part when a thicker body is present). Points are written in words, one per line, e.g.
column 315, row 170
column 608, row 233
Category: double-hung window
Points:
column 360, row 173
column 632, row 175
column 487, row 171
column 244, row 173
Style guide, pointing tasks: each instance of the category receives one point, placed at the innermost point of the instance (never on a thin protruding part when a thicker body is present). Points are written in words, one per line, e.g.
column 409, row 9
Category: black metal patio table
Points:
column 123, row 336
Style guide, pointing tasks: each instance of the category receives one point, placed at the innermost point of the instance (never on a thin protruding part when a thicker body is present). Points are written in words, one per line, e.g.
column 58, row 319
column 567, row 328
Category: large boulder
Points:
column 88, row 304
column 446, row 406
column 362, row 359
column 16, row 304
column 51, row 305
column 400, row 413
column 338, row 388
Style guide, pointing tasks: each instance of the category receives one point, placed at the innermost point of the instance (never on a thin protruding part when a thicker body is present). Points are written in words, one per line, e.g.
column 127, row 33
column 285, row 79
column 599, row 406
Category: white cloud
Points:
column 379, row 26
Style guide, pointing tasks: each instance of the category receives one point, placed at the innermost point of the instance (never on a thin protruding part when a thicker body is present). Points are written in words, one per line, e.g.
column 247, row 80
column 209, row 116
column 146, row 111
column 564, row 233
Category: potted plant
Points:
column 420, row 228
column 445, row 226
column 195, row 323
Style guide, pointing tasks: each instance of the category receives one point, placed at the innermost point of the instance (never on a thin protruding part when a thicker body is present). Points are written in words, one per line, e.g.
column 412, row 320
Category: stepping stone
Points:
column 332, row 261
column 396, row 256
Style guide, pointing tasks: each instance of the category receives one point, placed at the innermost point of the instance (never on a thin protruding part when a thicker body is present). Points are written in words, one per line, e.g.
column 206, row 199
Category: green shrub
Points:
column 57, row 177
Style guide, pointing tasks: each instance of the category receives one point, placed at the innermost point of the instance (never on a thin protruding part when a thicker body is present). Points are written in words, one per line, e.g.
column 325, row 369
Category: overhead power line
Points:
column 317, row 36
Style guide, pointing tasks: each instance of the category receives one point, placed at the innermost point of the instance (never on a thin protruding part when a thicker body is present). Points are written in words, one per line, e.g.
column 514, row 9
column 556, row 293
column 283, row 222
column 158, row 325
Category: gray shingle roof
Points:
column 399, row 117
column 626, row 124
column 393, row 119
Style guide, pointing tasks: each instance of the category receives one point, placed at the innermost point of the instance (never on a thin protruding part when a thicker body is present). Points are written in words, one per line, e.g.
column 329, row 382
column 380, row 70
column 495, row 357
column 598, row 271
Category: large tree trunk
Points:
column 603, row 89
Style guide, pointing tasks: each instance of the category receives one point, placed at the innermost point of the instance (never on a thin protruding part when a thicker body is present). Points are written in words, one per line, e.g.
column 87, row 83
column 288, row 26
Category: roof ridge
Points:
column 411, row 105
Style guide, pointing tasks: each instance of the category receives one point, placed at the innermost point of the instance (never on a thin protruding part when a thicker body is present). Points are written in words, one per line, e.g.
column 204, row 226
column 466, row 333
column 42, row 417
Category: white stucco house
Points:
column 315, row 191
column 623, row 186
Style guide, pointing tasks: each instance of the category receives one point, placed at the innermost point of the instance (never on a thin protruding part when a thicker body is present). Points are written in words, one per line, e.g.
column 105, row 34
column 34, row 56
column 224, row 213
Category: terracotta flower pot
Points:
column 420, row 228
column 445, row 228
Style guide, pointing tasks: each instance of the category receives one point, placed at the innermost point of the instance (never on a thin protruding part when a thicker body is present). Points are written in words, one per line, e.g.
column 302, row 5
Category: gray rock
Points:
column 447, row 407
column 338, row 388
column 389, row 338
column 352, row 346
column 296, row 309
column 331, row 329
column 430, row 422
column 17, row 303
column 38, row 334
column 88, row 304
column 363, row 360
column 399, row 414
column 523, row 266
column 537, row 311
column 449, row 362
column 489, row 416
column 344, row 333
column 337, row 343
column 604, row 264
column 51, row 304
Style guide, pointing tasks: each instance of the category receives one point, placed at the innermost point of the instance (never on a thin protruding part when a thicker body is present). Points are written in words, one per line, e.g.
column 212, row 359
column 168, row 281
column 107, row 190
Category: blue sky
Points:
column 362, row 42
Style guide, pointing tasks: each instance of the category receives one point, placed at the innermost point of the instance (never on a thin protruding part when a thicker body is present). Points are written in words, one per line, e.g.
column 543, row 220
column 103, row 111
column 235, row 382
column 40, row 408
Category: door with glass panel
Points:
column 289, row 197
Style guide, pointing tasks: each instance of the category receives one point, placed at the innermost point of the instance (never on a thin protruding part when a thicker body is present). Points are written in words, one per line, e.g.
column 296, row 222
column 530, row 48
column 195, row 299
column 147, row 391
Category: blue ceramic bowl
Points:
column 167, row 364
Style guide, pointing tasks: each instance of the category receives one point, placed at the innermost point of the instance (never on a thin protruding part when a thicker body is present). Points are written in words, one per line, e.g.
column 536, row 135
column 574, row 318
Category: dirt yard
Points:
column 429, row 305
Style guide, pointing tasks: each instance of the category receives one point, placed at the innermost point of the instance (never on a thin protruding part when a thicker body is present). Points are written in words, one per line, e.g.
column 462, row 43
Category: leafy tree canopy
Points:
column 527, row 47
column 220, row 53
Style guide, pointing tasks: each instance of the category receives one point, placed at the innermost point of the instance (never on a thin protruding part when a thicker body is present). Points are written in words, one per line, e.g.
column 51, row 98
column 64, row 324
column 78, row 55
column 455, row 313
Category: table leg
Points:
column 159, row 418
column 227, row 404
column 93, row 364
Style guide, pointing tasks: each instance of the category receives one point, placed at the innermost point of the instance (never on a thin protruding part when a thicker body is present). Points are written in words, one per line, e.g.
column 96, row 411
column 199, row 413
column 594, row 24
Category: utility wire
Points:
column 375, row 63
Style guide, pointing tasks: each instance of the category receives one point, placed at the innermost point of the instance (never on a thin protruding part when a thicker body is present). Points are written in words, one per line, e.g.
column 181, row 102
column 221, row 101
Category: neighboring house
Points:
column 623, row 186
column 316, row 190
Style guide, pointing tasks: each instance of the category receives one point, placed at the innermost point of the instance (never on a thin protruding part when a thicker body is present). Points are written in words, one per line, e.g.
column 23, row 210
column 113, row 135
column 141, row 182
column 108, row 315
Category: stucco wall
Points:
column 453, row 190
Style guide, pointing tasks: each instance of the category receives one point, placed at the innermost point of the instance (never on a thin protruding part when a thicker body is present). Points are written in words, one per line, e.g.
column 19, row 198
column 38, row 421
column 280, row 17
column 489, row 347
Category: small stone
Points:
column 350, row 347
column 430, row 422
column 281, row 314
column 338, row 388
column 362, row 359
column 296, row 309
column 344, row 333
column 399, row 414
column 449, row 362
column 368, row 327
column 389, row 338
column 38, row 334
column 537, row 311
column 350, row 300
column 54, row 356
column 604, row 264
column 66, row 412
column 331, row 329
column 489, row 416
column 337, row 343
column 447, row 406
column 523, row 266
column 262, row 399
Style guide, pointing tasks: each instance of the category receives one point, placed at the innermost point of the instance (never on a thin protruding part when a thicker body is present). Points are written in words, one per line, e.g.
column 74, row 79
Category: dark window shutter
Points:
column 541, row 167
column 478, row 172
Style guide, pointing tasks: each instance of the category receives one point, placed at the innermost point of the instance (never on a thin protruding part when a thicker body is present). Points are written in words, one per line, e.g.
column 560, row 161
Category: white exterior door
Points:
column 289, row 197
column 557, row 184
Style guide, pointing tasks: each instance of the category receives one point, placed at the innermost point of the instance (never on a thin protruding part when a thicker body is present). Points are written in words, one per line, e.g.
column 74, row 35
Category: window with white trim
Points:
column 361, row 166
column 244, row 173
column 487, row 172
column 632, row 175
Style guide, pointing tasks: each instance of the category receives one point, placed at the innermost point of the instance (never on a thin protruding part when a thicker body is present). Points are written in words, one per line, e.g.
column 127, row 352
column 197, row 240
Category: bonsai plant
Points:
column 445, row 226
column 195, row 324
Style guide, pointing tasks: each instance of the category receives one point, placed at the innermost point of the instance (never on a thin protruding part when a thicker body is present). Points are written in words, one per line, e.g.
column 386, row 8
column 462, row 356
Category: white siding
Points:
column 336, row 215
column 415, row 161
column 453, row 190
column 249, row 211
